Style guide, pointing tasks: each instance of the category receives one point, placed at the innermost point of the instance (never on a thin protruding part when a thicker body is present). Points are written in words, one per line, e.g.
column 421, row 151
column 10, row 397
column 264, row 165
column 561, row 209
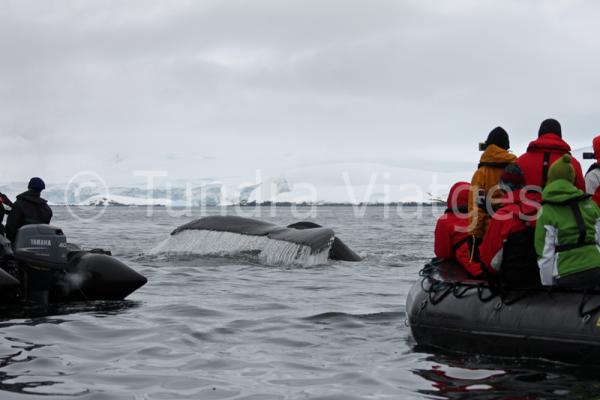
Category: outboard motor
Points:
column 45, row 243
column 41, row 250
column 55, row 270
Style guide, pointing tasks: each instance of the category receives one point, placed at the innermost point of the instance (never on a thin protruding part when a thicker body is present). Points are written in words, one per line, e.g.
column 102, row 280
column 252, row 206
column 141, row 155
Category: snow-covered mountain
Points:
column 351, row 183
column 210, row 194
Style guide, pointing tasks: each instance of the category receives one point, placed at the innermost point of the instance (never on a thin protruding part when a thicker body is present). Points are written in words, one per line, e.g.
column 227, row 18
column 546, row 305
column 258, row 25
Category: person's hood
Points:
column 458, row 198
column 561, row 191
column 596, row 147
column 495, row 154
column 549, row 142
column 32, row 197
column 527, row 202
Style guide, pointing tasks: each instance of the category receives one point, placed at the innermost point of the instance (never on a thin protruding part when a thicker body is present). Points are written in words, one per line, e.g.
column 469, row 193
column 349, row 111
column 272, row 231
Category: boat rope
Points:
column 436, row 298
column 437, row 290
column 584, row 300
column 480, row 290
column 508, row 302
column 460, row 294
column 83, row 294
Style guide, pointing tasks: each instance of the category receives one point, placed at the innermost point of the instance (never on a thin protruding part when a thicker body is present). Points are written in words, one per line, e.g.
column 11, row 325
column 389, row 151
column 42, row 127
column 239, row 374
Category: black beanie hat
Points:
column 499, row 137
column 550, row 126
column 36, row 184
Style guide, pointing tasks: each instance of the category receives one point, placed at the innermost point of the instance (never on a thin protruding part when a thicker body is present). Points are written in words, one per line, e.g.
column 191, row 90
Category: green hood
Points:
column 561, row 191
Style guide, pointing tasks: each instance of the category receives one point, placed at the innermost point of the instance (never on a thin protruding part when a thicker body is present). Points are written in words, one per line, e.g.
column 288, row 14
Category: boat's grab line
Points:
column 438, row 290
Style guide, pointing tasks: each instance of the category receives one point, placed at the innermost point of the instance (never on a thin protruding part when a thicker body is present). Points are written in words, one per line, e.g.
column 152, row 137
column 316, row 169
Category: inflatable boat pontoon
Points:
column 447, row 310
column 42, row 267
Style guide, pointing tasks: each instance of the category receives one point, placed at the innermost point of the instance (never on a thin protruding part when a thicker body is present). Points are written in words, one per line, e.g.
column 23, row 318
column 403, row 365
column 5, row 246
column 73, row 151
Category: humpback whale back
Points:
column 305, row 241
column 234, row 224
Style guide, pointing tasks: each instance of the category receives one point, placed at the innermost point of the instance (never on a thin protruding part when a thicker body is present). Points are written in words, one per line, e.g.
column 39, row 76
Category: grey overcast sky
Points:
column 217, row 88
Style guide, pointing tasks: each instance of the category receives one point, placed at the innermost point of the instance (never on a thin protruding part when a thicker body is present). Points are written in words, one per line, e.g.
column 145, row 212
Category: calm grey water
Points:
column 228, row 328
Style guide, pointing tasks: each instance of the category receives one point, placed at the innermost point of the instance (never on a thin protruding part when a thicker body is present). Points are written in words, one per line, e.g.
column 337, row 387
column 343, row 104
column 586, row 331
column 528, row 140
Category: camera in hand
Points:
column 589, row 156
column 482, row 146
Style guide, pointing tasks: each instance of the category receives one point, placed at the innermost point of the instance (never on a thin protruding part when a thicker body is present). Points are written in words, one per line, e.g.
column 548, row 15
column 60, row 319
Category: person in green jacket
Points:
column 566, row 233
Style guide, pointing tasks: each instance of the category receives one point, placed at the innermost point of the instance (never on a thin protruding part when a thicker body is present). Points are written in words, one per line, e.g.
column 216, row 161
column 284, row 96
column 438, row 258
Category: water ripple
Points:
column 230, row 328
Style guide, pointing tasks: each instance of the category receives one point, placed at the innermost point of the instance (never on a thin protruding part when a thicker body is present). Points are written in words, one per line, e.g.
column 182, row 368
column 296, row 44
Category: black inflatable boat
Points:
column 447, row 310
column 42, row 267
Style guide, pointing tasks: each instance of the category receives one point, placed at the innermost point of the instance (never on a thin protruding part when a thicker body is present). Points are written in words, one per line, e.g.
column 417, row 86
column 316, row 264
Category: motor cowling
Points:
column 41, row 252
column 44, row 244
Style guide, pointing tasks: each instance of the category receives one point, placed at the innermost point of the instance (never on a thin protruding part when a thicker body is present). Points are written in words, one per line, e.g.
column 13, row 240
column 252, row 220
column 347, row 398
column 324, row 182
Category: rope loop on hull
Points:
column 438, row 289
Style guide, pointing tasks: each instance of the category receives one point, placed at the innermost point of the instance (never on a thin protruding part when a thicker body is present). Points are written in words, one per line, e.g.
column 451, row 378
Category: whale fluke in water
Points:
column 339, row 250
column 302, row 242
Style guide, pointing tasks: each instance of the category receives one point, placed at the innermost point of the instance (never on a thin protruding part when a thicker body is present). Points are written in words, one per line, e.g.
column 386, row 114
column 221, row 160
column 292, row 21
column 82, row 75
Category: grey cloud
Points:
column 248, row 82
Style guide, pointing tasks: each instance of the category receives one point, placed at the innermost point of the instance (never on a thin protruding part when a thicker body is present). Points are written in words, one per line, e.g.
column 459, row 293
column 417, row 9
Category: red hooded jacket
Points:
column 508, row 245
column 532, row 162
column 451, row 230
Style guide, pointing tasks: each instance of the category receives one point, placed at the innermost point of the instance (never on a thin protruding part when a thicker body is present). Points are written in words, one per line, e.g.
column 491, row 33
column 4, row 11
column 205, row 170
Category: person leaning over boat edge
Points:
column 28, row 208
column 4, row 200
column 543, row 152
column 592, row 176
column 484, row 184
column 566, row 234
column 507, row 250
column 451, row 230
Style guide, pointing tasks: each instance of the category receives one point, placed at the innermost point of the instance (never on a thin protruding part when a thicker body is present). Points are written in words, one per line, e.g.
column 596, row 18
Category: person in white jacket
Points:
column 592, row 176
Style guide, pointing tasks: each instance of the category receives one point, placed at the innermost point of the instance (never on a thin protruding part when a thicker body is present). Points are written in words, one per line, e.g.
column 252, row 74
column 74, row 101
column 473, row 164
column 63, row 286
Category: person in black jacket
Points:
column 29, row 208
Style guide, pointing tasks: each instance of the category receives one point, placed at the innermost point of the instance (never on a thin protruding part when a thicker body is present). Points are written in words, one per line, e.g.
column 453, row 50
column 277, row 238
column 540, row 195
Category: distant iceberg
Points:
column 335, row 183
column 115, row 200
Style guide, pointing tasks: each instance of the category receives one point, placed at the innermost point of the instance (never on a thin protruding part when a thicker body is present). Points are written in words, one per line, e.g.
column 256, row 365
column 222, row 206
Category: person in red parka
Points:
column 507, row 251
column 542, row 152
column 452, row 230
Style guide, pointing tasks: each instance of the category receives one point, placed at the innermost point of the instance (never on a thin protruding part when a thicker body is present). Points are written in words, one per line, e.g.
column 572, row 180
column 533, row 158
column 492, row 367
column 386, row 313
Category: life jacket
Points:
column 540, row 155
column 574, row 205
column 508, row 248
column 451, row 236
column 484, row 181
column 566, row 236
